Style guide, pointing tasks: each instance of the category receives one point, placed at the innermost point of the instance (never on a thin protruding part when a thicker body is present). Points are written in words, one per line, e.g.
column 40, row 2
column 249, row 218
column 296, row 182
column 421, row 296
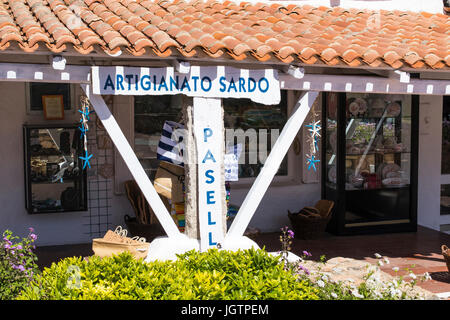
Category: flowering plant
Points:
column 17, row 263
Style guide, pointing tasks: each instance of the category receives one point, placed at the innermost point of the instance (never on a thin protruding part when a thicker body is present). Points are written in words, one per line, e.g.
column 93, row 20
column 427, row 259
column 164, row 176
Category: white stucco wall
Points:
column 69, row 228
column 52, row 228
column 430, row 146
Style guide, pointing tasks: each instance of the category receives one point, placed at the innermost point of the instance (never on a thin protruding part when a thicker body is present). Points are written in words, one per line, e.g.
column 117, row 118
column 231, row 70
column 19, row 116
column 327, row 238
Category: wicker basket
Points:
column 308, row 226
column 446, row 254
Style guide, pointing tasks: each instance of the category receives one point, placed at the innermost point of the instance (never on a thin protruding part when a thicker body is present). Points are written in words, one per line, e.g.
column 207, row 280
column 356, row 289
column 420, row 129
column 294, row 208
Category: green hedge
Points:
column 242, row 275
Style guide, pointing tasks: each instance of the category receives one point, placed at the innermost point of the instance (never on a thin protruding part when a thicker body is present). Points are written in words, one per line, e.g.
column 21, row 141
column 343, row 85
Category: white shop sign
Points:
column 261, row 85
column 208, row 129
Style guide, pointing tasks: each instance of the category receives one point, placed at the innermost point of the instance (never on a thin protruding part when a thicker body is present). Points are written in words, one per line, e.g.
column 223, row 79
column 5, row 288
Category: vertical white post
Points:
column 132, row 162
column 210, row 140
column 271, row 165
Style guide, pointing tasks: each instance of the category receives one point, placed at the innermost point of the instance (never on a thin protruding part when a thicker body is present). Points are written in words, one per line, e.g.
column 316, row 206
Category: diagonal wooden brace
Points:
column 132, row 162
column 271, row 165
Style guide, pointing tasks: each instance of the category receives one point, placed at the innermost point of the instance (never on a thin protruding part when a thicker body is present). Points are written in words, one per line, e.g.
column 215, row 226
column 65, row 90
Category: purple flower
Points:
column 21, row 268
column 33, row 236
column 31, row 229
column 7, row 246
column 307, row 254
column 300, row 267
column 290, row 234
column 19, row 247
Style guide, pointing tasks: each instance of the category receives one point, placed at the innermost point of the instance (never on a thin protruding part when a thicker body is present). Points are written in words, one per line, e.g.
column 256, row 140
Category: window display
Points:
column 370, row 167
column 55, row 181
column 150, row 113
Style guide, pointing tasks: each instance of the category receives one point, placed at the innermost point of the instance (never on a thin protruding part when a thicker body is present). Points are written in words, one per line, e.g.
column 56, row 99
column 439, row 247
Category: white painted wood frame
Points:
column 28, row 72
column 132, row 162
column 270, row 168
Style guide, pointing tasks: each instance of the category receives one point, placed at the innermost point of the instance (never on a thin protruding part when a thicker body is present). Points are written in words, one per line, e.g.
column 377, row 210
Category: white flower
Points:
column 380, row 263
column 377, row 255
column 325, row 278
column 320, row 283
column 357, row 294
column 426, row 276
column 386, row 260
column 334, row 295
column 395, row 269
column 412, row 275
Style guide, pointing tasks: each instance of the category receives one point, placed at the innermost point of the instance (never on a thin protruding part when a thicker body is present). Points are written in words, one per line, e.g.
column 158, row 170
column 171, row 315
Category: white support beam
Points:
column 271, row 165
column 132, row 162
column 44, row 73
column 363, row 84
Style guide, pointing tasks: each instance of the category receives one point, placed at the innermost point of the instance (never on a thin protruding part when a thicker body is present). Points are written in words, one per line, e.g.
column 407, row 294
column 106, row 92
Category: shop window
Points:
column 260, row 125
column 38, row 89
column 445, row 199
column 446, row 136
column 150, row 112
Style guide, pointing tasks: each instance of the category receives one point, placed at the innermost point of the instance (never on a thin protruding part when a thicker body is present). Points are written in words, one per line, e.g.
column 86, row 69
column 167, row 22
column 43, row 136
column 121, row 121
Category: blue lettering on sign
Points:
column 211, row 243
column 232, row 85
column 223, row 86
column 210, row 197
column 173, row 82
column 267, row 85
column 249, row 88
column 119, row 80
column 195, row 78
column 208, row 156
column 108, row 83
column 203, row 81
column 210, row 222
column 207, row 132
column 147, row 84
column 193, row 83
column 129, row 78
column 209, row 175
column 185, row 84
column 163, row 83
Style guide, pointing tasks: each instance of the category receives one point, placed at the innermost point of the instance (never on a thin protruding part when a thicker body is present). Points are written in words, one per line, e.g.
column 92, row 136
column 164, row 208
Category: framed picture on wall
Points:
column 53, row 106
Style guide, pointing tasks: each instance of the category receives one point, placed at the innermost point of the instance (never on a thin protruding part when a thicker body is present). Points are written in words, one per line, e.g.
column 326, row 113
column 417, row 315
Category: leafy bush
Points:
column 245, row 274
column 17, row 264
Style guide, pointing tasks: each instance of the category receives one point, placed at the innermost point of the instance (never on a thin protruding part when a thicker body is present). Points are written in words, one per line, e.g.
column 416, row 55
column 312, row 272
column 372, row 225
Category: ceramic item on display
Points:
column 393, row 109
column 356, row 106
column 393, row 174
column 395, row 182
column 356, row 180
column 333, row 141
column 377, row 108
column 390, row 167
column 332, row 174
column 390, row 142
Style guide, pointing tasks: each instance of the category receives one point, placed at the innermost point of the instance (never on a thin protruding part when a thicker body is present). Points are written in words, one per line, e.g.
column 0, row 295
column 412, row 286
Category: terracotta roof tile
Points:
column 260, row 31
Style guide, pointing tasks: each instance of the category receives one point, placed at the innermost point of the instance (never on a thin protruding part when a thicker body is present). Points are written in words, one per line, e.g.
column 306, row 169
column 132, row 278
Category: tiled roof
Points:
column 305, row 34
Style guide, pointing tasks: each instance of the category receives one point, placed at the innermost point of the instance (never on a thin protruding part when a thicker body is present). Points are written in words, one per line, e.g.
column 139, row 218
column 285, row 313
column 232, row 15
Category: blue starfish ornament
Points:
column 83, row 130
column 85, row 113
column 311, row 160
column 86, row 160
column 315, row 128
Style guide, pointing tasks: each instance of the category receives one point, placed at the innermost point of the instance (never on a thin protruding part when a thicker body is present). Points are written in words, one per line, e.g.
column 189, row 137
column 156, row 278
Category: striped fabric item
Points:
column 171, row 144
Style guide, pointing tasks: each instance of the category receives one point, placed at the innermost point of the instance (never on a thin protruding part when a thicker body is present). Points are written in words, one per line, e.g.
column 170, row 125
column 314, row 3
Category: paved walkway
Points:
column 419, row 251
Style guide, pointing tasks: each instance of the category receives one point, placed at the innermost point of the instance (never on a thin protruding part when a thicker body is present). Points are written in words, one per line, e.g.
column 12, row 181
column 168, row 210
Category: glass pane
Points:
column 57, row 182
column 446, row 136
column 38, row 89
column 378, row 157
column 331, row 138
column 445, row 199
column 150, row 113
column 260, row 126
